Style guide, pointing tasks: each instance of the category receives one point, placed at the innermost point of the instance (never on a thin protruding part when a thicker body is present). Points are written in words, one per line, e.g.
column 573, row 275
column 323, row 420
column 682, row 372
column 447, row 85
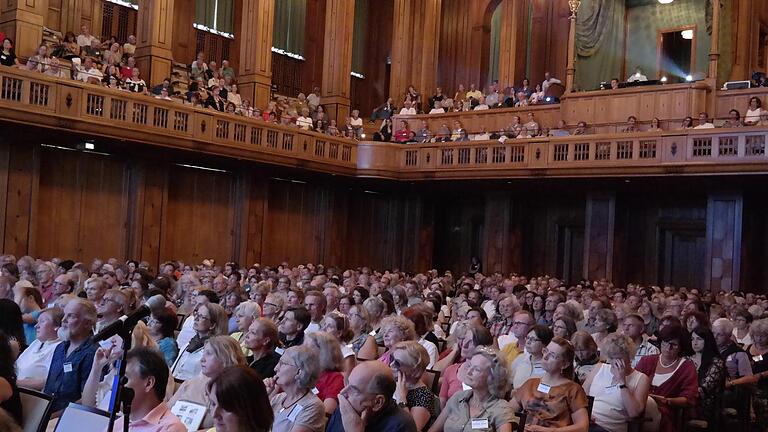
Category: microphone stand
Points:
column 123, row 395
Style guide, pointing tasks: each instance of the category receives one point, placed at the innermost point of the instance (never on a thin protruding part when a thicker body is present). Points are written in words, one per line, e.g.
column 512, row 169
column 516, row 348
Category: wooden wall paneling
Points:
column 252, row 49
column 154, row 34
column 5, row 169
column 599, row 236
column 337, row 58
column 61, row 189
column 92, row 14
column 723, row 260
column 83, row 210
column 459, row 228
column 151, row 207
column 199, row 217
column 53, row 17
column 22, row 190
column 22, row 21
column 403, row 25
column 284, row 238
column 103, row 224
column 426, row 236
column 754, row 257
column 411, row 227
column 241, row 200
column 542, row 12
column 498, row 224
column 312, row 67
column 184, row 35
column 335, row 221
column 462, row 33
column 557, row 60
column 257, row 208
column 374, row 89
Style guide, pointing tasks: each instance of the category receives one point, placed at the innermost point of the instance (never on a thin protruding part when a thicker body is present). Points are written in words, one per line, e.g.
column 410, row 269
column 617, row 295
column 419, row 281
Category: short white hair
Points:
column 724, row 323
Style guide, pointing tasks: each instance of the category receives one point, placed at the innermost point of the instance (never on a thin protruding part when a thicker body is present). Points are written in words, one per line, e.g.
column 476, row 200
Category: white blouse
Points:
column 187, row 364
column 35, row 361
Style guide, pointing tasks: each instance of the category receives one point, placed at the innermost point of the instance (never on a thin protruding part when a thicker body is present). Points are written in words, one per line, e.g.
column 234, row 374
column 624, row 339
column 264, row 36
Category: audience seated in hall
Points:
column 650, row 370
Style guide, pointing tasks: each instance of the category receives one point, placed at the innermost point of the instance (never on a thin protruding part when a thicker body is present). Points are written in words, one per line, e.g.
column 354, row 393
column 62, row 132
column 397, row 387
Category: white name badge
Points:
column 295, row 412
column 757, row 358
column 611, row 389
column 67, row 367
column 480, row 423
column 465, row 387
column 372, row 333
column 543, row 388
column 279, row 351
column 315, row 391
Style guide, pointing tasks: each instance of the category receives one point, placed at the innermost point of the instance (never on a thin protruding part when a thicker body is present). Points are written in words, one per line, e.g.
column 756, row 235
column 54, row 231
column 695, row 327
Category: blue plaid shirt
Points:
column 67, row 386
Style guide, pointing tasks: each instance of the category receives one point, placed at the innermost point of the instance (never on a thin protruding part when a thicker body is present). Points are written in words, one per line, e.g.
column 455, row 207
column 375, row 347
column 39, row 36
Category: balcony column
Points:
column 337, row 58
column 723, row 250
column 253, row 35
column 742, row 30
column 512, row 42
column 22, row 20
column 598, row 236
column 714, row 45
column 570, row 68
column 155, row 40
column 415, row 45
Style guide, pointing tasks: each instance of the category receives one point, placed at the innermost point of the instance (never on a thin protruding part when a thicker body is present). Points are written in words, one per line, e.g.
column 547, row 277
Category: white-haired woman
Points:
column 245, row 313
column 395, row 328
column 409, row 361
column 331, row 380
column 296, row 407
column 620, row 391
column 483, row 405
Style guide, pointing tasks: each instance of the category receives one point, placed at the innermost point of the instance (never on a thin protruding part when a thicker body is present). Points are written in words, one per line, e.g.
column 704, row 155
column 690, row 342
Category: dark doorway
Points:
column 570, row 252
column 682, row 254
column 676, row 55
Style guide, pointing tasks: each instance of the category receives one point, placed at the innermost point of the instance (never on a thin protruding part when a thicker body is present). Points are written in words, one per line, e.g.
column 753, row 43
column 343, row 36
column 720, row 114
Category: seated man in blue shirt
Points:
column 366, row 403
column 73, row 358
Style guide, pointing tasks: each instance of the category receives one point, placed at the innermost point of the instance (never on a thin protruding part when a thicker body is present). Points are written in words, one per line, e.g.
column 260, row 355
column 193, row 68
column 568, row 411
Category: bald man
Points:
column 366, row 403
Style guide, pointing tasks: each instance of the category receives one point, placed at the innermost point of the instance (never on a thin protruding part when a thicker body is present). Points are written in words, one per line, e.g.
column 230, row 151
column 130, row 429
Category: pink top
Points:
column 160, row 419
column 451, row 383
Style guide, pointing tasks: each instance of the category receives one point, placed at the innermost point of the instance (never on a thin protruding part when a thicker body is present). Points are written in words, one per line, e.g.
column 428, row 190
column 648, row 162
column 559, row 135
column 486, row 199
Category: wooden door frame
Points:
column 659, row 47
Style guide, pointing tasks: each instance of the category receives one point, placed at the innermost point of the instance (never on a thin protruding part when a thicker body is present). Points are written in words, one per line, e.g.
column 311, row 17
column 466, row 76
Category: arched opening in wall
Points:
column 489, row 64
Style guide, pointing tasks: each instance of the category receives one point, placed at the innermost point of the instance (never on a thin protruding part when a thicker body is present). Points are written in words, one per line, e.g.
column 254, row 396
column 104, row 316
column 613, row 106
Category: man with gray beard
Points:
column 73, row 358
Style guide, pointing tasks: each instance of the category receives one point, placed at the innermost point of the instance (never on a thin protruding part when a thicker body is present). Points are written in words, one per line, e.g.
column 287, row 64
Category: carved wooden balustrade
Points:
column 34, row 98
column 55, row 104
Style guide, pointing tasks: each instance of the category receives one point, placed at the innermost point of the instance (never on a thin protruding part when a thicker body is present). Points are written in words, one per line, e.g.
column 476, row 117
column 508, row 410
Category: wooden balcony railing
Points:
column 649, row 153
column 43, row 101
column 79, row 107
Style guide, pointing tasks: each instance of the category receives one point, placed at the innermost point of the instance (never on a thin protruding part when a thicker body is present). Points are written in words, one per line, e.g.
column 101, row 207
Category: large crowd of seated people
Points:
column 314, row 348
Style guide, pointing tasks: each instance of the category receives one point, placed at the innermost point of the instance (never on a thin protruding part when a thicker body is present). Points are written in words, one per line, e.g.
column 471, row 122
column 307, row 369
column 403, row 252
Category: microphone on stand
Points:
column 129, row 321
